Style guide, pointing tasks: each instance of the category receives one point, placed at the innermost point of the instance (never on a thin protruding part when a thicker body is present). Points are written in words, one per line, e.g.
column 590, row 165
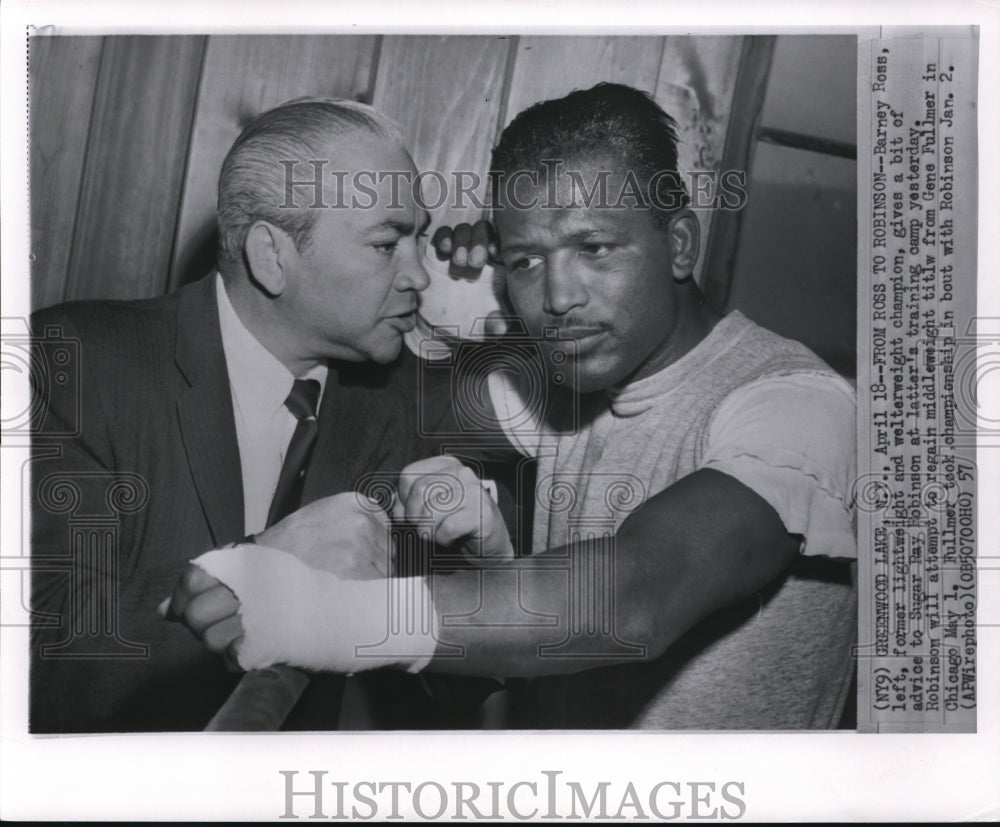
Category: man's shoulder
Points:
column 124, row 345
column 118, row 327
column 760, row 351
column 106, row 320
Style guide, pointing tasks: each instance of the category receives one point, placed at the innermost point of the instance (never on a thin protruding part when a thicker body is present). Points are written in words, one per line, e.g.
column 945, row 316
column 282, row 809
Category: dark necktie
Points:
column 319, row 705
column 288, row 495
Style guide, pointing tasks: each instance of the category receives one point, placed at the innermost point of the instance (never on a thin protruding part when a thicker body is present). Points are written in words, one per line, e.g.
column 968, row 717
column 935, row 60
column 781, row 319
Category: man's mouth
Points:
column 406, row 320
column 579, row 334
column 575, row 342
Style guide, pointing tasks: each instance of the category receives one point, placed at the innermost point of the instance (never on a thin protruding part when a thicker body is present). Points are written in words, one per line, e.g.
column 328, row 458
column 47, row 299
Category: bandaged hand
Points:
column 282, row 611
column 209, row 609
column 346, row 534
column 449, row 499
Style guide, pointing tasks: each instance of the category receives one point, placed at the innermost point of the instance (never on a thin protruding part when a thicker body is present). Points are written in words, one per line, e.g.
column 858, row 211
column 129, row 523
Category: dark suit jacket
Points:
column 136, row 471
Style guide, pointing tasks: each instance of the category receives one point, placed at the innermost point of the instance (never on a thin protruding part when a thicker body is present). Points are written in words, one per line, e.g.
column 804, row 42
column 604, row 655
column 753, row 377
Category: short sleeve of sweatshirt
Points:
column 791, row 439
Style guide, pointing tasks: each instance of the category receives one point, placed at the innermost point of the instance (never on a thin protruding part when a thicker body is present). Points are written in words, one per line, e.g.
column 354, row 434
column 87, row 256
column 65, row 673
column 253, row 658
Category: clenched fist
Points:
column 346, row 534
column 445, row 494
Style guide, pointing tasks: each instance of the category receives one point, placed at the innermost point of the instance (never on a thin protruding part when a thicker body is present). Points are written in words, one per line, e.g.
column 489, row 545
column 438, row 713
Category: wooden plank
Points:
column 803, row 64
column 134, row 167
column 795, row 268
column 62, row 76
column 695, row 85
column 446, row 92
column 810, row 143
column 243, row 76
column 741, row 136
column 552, row 66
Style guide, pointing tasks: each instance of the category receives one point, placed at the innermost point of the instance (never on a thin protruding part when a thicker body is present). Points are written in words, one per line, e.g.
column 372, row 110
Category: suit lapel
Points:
column 205, row 412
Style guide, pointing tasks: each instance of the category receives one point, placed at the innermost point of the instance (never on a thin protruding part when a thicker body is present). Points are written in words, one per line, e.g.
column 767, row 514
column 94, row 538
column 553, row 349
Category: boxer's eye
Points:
column 523, row 265
column 595, row 250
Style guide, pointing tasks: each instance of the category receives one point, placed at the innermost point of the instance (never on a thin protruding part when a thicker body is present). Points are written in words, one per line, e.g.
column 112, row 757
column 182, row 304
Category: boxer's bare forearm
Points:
column 700, row 545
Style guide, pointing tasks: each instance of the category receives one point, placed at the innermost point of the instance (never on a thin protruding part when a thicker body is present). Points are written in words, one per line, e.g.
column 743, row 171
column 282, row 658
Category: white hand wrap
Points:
column 303, row 617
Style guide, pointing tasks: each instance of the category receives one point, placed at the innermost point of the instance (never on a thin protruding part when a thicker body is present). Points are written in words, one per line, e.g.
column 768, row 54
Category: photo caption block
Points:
column 918, row 338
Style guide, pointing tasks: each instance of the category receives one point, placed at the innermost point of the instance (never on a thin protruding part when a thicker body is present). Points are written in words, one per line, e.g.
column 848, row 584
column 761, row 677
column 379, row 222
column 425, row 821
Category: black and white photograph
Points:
column 552, row 420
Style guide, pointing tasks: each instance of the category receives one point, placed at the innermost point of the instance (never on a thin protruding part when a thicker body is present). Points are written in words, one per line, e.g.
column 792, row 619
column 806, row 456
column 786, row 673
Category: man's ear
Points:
column 685, row 235
column 268, row 252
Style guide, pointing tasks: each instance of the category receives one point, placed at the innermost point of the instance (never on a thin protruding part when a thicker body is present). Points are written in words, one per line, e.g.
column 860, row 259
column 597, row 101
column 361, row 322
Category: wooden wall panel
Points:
column 446, row 92
column 821, row 63
column 62, row 77
column 129, row 132
column 796, row 262
column 550, row 67
column 744, row 117
column 695, row 85
column 132, row 177
column 242, row 77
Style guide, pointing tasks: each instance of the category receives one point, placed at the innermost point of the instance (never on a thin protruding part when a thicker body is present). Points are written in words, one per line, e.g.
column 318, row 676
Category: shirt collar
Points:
column 639, row 396
column 259, row 381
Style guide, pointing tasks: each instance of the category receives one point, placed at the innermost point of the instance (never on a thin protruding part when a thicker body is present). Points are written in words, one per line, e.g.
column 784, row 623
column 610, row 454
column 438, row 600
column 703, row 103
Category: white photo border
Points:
column 804, row 776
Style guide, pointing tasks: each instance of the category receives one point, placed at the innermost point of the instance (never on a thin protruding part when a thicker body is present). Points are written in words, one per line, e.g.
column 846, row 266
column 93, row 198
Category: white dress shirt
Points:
column 259, row 384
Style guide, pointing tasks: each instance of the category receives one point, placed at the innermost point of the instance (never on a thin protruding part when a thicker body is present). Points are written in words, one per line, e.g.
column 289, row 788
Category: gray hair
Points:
column 252, row 180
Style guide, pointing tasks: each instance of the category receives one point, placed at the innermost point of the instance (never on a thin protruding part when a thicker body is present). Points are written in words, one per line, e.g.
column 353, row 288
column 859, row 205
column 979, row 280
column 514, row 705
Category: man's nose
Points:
column 411, row 274
column 564, row 290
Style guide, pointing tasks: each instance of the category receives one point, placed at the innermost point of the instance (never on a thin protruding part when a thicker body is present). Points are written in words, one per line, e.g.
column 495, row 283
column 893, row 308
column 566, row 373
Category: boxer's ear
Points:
column 684, row 233
column 267, row 249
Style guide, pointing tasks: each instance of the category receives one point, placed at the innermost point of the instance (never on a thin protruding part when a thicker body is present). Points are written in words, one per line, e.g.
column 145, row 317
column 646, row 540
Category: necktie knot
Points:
column 303, row 398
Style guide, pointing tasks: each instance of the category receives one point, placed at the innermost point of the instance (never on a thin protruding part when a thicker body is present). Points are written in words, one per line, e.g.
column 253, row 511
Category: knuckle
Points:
column 215, row 639
column 190, row 579
column 233, row 653
column 193, row 617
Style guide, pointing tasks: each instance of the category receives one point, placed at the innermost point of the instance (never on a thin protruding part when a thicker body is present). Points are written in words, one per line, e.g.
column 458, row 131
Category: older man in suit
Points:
column 196, row 421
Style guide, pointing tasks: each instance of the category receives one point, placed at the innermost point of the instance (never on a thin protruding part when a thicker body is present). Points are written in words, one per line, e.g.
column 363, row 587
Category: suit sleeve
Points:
column 72, row 481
